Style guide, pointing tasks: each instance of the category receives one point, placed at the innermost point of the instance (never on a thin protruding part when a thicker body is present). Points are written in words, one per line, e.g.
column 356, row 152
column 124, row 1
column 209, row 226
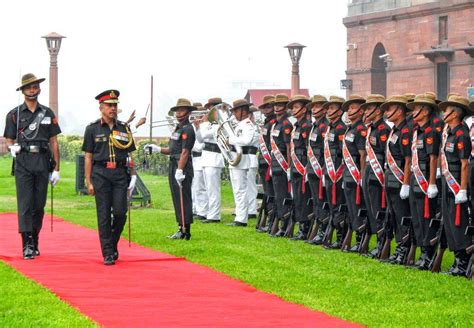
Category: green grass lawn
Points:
column 344, row 285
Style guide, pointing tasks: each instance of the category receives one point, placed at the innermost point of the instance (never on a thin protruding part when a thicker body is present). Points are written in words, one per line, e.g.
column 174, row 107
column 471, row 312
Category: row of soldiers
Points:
column 374, row 167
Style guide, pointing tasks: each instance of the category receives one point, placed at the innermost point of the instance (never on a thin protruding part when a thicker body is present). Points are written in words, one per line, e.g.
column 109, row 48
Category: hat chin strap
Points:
column 33, row 97
column 353, row 115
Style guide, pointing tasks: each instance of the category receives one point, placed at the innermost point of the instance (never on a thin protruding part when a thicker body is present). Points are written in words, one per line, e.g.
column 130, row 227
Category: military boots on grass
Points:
column 28, row 245
column 182, row 233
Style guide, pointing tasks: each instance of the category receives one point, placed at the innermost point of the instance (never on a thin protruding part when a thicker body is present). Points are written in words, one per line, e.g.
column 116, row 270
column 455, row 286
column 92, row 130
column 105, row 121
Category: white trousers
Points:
column 252, row 190
column 199, row 194
column 238, row 178
column 212, row 179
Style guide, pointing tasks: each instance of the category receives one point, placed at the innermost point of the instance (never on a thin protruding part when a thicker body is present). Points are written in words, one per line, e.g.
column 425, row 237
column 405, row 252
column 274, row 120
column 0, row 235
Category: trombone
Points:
column 171, row 121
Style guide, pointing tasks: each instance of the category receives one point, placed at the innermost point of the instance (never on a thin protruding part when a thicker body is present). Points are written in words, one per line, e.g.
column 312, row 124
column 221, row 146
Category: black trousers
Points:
column 110, row 187
column 280, row 185
column 31, row 178
column 455, row 236
column 319, row 212
column 339, row 198
column 398, row 208
column 350, row 191
column 300, row 198
column 373, row 199
column 267, row 186
column 421, row 225
column 186, row 190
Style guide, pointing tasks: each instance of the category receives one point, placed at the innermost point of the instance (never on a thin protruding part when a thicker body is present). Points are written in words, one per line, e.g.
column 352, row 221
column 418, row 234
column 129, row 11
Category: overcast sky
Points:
column 194, row 49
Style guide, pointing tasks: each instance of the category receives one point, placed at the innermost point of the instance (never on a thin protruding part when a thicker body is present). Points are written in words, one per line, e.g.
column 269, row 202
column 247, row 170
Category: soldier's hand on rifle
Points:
column 405, row 191
column 54, row 177
column 179, row 176
column 90, row 189
column 432, row 191
column 151, row 148
column 461, row 197
column 131, row 185
column 14, row 149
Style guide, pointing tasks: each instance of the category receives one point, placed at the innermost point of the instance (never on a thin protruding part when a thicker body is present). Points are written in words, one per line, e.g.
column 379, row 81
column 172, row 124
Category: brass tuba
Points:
column 220, row 114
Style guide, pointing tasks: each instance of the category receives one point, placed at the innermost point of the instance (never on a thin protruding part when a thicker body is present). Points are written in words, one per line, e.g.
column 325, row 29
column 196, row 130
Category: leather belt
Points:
column 196, row 154
column 246, row 149
column 104, row 163
column 33, row 149
column 212, row 147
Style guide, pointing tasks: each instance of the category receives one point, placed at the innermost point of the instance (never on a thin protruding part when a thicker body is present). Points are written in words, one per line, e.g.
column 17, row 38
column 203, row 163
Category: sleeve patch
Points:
column 405, row 142
column 460, row 145
column 405, row 130
column 287, row 131
column 339, row 126
column 359, row 127
column 383, row 137
column 184, row 136
column 428, row 129
column 429, row 141
column 459, row 133
column 381, row 127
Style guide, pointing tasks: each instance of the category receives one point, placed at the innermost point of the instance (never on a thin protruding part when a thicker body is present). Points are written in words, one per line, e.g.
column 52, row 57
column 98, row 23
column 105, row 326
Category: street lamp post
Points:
column 53, row 42
column 295, row 50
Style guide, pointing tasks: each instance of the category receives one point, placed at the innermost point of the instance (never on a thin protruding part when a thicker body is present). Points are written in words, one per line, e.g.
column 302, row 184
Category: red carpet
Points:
column 146, row 288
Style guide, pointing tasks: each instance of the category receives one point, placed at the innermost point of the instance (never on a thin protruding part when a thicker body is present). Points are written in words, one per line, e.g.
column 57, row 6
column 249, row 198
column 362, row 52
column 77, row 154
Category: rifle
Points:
column 439, row 242
column 314, row 226
column 262, row 212
column 410, row 258
column 470, row 250
column 364, row 245
column 387, row 235
column 335, row 220
column 346, row 244
column 291, row 223
column 276, row 222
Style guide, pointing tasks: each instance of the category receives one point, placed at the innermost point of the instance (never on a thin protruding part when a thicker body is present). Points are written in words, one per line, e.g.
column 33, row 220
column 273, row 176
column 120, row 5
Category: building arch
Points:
column 378, row 70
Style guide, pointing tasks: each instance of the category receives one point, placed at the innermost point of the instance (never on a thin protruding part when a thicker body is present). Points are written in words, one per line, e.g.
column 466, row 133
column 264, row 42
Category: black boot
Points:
column 461, row 264
column 28, row 246
column 374, row 253
column 187, row 234
column 339, row 237
column 178, row 235
column 394, row 256
column 319, row 238
column 356, row 247
column 302, row 232
column 402, row 255
column 36, row 241
column 426, row 257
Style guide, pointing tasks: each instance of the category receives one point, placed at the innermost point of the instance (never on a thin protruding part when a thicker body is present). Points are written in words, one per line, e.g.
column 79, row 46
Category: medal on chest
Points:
column 275, row 133
column 449, row 147
column 314, row 136
column 296, row 135
column 331, row 137
column 394, row 138
column 350, row 137
column 419, row 144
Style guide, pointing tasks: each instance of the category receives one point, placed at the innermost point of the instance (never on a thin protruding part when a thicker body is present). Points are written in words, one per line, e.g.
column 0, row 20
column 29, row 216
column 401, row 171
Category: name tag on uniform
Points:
column 350, row 137
column 275, row 133
column 394, row 138
column 46, row 120
column 296, row 135
column 373, row 140
column 174, row 136
column 331, row 137
column 419, row 144
column 313, row 137
column 100, row 138
column 449, row 147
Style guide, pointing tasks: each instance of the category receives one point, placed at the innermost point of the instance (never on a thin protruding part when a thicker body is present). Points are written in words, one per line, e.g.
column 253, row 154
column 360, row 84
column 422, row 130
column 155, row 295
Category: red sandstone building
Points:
column 399, row 46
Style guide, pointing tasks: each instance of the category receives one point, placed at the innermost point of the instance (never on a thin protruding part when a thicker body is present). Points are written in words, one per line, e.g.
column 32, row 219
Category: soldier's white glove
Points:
column 461, row 197
column 14, row 149
column 438, row 173
column 405, row 191
column 131, row 185
column 152, row 148
column 288, row 175
column 179, row 176
column 54, row 177
column 432, row 191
